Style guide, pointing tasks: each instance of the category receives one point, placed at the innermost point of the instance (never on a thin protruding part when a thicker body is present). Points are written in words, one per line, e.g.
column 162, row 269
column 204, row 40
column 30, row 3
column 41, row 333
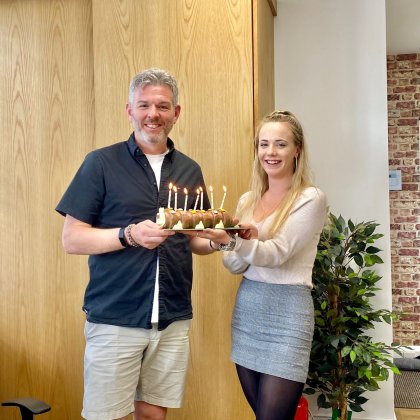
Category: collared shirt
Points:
column 114, row 187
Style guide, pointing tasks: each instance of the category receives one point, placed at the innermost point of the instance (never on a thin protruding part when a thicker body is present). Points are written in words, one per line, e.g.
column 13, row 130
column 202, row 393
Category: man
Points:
column 138, row 299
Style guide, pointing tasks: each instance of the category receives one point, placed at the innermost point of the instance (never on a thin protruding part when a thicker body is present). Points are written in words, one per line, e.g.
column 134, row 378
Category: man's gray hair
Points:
column 153, row 76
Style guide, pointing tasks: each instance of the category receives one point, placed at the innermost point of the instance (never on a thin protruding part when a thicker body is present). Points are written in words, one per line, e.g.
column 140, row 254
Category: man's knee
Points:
column 146, row 411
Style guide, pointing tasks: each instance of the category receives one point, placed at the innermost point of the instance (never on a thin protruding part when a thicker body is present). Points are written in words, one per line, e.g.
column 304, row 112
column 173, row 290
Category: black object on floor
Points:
column 28, row 407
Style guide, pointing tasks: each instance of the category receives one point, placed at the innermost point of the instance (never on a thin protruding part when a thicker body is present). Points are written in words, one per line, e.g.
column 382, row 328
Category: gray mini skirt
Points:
column 272, row 329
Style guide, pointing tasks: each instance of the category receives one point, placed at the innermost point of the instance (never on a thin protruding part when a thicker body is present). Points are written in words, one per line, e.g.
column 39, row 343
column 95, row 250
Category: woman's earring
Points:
column 296, row 162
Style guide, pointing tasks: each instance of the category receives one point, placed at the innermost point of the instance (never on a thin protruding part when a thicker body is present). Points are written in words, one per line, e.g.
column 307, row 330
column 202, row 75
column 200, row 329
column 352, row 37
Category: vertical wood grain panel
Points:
column 46, row 115
column 65, row 67
column 208, row 47
column 263, row 56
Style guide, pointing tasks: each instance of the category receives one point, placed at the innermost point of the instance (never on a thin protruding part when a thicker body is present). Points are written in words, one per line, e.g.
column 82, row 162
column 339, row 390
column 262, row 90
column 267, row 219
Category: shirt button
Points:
column 144, row 164
column 137, row 152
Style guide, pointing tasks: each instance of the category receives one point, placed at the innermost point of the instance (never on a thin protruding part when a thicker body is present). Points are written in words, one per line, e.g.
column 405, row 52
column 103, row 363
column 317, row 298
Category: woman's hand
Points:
column 250, row 232
column 216, row 236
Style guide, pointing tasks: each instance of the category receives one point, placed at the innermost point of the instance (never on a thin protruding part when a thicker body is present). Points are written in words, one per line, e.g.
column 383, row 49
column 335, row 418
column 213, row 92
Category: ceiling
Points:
column 403, row 26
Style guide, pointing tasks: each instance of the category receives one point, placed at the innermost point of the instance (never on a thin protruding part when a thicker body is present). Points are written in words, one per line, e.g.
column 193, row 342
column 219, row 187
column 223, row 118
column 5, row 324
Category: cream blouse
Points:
column 288, row 257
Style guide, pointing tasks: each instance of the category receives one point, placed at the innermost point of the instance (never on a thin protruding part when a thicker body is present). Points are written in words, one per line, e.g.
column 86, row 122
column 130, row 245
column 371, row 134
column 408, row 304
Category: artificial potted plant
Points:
column 345, row 362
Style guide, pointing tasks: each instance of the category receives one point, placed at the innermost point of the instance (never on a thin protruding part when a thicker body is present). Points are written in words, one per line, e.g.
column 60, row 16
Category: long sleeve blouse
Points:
column 288, row 257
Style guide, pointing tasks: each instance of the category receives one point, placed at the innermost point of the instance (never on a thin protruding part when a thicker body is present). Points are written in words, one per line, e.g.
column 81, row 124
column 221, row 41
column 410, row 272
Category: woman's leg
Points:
column 278, row 398
column 270, row 397
column 250, row 381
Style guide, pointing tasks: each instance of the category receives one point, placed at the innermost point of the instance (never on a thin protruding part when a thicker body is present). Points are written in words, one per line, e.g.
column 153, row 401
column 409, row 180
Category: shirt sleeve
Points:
column 84, row 197
column 304, row 223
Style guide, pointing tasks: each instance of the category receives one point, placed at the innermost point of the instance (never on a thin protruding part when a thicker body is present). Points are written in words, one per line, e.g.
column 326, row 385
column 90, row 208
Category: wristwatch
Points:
column 230, row 246
column 121, row 237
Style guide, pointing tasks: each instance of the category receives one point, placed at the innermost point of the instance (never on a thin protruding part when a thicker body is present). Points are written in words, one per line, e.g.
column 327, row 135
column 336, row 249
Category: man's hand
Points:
column 149, row 235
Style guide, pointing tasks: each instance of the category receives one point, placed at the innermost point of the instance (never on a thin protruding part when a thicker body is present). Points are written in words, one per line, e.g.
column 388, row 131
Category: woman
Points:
column 273, row 319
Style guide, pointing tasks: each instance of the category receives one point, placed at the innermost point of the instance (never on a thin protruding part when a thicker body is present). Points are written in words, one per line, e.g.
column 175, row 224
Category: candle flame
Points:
column 224, row 188
column 185, row 191
column 210, row 188
column 201, row 189
column 197, row 191
column 175, row 189
column 170, row 185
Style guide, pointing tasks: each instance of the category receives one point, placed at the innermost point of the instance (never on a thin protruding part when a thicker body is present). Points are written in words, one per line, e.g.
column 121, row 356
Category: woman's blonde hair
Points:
column 259, row 179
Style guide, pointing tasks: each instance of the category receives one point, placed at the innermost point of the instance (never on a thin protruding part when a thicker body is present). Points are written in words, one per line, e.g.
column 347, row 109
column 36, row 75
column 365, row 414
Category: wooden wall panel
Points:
column 263, row 57
column 46, row 114
column 208, row 47
column 66, row 66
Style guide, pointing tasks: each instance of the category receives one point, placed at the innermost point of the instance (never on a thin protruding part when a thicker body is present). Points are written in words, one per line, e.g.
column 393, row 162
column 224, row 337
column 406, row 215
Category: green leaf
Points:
column 358, row 259
column 368, row 260
column 395, row 370
column 372, row 250
column 370, row 229
column 366, row 356
column 352, row 355
column 361, row 400
column 335, row 342
column 377, row 259
column 355, row 407
column 345, row 351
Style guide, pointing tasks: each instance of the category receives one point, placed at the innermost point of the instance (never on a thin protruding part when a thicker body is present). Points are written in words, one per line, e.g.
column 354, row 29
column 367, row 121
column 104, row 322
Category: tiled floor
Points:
column 407, row 414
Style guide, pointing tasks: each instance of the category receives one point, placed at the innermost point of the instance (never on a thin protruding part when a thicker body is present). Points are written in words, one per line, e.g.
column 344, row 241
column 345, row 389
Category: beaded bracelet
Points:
column 130, row 239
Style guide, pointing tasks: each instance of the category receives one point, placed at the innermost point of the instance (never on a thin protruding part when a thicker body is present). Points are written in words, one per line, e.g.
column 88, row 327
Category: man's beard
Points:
column 155, row 138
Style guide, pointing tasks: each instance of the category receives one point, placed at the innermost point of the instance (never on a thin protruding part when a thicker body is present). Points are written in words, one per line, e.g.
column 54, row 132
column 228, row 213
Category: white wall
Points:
column 402, row 26
column 330, row 60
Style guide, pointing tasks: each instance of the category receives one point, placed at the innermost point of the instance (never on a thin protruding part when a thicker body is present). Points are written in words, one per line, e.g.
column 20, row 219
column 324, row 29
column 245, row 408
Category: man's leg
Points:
column 164, row 371
column 146, row 411
column 113, row 358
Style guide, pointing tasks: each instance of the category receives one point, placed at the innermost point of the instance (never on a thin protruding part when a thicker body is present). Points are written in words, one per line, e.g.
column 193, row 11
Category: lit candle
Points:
column 196, row 200
column 201, row 194
column 186, row 199
column 211, row 196
column 224, row 196
column 169, row 198
column 176, row 198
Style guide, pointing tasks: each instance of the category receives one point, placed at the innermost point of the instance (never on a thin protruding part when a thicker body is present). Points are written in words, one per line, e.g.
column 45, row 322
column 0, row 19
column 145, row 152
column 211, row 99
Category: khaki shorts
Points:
column 126, row 364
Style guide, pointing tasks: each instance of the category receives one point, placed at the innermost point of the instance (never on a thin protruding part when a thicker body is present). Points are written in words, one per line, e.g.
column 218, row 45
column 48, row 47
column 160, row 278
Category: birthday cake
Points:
column 194, row 219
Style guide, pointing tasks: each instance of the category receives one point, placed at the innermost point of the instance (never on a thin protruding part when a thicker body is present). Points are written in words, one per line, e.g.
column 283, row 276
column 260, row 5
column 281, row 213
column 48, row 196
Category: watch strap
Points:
column 121, row 237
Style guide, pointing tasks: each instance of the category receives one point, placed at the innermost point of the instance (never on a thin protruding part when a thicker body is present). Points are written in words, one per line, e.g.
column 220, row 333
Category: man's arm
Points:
column 83, row 239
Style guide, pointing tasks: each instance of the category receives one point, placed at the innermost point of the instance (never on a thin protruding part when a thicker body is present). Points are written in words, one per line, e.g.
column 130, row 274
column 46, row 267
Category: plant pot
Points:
column 337, row 413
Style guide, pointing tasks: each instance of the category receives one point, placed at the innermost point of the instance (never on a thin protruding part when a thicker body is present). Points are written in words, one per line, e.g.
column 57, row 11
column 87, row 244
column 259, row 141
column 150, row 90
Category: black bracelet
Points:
column 121, row 237
column 211, row 246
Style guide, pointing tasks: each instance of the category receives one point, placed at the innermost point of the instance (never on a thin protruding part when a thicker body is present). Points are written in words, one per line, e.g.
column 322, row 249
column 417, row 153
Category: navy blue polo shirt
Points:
column 116, row 186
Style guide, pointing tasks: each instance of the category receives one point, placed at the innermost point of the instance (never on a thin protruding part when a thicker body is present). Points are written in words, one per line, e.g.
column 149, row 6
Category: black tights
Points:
column 270, row 397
